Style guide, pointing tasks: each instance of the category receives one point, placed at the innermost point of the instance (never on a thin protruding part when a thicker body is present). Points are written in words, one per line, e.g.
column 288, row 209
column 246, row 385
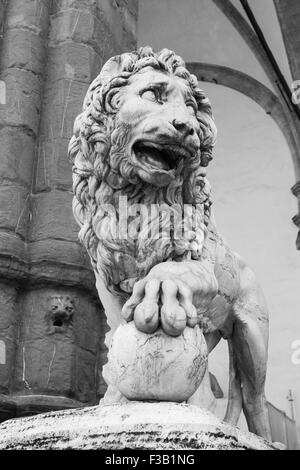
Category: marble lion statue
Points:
column 144, row 139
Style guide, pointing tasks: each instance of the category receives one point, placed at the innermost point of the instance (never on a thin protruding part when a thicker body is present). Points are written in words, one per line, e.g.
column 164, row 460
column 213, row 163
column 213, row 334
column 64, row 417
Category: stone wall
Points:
column 51, row 322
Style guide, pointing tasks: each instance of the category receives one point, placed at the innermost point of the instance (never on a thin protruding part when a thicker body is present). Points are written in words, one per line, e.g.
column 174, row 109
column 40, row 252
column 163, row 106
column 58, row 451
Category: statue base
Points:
column 132, row 425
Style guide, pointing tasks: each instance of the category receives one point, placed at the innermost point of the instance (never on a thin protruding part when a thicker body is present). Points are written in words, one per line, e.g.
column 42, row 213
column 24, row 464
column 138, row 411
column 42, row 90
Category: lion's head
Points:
column 146, row 132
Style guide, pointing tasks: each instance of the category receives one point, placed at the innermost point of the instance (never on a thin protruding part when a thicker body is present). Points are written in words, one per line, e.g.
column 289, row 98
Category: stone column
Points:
column 24, row 33
column 54, row 327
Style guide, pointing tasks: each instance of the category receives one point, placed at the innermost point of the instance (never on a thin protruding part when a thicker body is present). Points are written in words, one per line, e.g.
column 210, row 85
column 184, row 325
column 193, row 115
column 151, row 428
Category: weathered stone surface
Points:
column 62, row 101
column 22, row 100
column 2, row 19
column 38, row 238
column 23, row 50
column 111, row 14
column 7, row 408
column 9, row 318
column 132, row 6
column 69, row 253
column 129, row 22
column 52, row 217
column 60, row 333
column 156, row 366
column 14, row 209
column 118, row 20
column 13, row 250
column 73, row 61
column 55, row 266
column 53, row 169
column 16, row 151
column 30, row 15
column 79, row 26
column 43, row 365
column 45, row 261
column 134, row 425
column 90, row 5
column 27, row 405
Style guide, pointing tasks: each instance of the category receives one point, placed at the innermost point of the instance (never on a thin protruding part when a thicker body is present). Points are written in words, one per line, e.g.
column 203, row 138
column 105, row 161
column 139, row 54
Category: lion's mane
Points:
column 101, row 174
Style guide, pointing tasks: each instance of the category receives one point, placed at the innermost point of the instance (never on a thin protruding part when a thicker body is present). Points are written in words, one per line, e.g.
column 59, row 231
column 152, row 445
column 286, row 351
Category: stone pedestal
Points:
column 133, row 425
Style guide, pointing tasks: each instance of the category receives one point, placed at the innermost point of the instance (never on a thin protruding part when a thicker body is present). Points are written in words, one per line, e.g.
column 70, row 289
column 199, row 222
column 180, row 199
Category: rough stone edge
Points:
column 120, row 435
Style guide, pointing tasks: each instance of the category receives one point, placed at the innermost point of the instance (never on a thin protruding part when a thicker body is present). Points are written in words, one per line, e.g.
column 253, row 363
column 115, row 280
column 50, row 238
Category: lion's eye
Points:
column 151, row 95
column 192, row 107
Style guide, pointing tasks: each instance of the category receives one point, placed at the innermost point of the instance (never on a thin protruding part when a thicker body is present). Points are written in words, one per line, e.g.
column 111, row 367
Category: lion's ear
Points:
column 117, row 65
column 111, row 69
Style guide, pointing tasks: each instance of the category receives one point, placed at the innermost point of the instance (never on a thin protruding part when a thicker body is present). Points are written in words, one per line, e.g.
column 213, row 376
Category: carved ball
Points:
column 157, row 366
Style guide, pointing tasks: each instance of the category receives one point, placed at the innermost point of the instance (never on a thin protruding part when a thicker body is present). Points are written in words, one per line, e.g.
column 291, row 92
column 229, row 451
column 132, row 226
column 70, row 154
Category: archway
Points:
column 255, row 90
column 249, row 174
column 271, row 104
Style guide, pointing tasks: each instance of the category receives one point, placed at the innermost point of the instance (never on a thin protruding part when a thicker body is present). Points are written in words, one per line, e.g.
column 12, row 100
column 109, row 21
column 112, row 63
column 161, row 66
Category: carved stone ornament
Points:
column 60, row 313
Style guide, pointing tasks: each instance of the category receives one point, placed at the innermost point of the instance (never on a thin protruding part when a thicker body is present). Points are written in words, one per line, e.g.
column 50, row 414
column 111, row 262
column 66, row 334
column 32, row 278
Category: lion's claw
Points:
column 173, row 320
column 173, row 316
column 165, row 301
column 146, row 317
column 143, row 305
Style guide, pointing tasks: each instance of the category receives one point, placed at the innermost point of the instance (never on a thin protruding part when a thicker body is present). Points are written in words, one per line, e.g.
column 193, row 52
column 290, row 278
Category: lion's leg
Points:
column 204, row 397
column 234, row 405
column 212, row 340
column 250, row 349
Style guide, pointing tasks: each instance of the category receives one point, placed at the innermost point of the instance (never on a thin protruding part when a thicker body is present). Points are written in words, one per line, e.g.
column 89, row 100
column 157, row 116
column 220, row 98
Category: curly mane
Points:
column 101, row 176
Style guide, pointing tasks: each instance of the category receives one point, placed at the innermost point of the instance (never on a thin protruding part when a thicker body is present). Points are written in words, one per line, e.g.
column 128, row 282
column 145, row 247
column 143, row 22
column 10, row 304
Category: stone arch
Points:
column 265, row 98
column 255, row 90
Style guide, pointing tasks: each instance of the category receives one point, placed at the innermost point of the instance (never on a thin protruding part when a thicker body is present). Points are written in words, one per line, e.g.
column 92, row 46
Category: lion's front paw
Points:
column 146, row 313
column 168, row 302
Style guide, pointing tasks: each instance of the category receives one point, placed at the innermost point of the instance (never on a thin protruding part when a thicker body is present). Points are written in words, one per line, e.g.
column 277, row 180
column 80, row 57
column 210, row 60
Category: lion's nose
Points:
column 184, row 127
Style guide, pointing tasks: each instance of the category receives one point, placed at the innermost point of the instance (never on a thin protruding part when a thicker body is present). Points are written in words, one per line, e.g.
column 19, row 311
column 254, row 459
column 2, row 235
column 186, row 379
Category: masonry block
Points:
column 8, row 323
column 73, row 61
column 14, row 209
column 52, row 217
column 22, row 106
column 32, row 15
column 24, row 50
column 17, row 150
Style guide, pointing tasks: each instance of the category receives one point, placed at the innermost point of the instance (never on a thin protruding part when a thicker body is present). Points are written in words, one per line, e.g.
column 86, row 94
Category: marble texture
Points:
column 146, row 134
column 157, row 366
column 134, row 425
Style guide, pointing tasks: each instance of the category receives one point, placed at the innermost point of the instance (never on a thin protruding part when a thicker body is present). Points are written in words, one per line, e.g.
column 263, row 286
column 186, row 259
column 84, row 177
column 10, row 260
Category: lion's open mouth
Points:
column 165, row 158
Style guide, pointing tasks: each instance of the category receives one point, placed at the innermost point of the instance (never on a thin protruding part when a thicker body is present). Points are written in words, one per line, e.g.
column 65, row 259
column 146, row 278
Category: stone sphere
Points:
column 157, row 366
